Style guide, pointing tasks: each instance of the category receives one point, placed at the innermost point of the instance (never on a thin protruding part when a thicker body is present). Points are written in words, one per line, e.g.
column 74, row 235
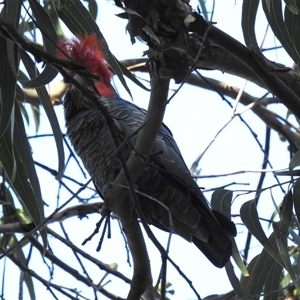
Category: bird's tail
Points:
column 218, row 248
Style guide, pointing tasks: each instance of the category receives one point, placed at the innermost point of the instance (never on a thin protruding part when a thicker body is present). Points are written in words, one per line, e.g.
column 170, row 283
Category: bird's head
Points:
column 87, row 52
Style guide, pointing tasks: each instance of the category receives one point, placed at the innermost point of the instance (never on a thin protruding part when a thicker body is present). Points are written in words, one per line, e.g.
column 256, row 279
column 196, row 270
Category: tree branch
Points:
column 266, row 73
column 142, row 279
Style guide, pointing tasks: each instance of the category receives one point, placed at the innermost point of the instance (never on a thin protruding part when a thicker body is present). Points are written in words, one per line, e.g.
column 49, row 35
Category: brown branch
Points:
column 97, row 262
column 270, row 118
column 56, row 92
column 47, row 283
column 267, row 74
column 54, row 259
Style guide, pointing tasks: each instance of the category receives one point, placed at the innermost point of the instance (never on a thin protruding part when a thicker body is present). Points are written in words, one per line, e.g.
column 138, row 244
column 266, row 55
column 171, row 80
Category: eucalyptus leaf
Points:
column 221, row 202
column 249, row 12
column 250, row 218
column 295, row 161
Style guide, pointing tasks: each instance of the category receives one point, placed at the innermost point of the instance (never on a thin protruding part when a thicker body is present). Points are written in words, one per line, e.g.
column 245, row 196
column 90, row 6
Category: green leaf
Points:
column 18, row 177
column 8, row 86
column 249, row 12
column 77, row 18
column 238, row 260
column 221, row 202
column 273, row 282
column 296, row 198
column 281, row 230
column 295, row 161
column 50, row 40
column 93, row 8
column 250, row 218
column 286, row 213
column 293, row 27
column 45, row 100
column 293, row 9
column 22, row 147
column 24, row 113
column 245, row 280
column 19, row 254
column 128, row 74
column 273, row 12
column 36, row 116
column 283, row 250
column 260, row 269
column 234, row 280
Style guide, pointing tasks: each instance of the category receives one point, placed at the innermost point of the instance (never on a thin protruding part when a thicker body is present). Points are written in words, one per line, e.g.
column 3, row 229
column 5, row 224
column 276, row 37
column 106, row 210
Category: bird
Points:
column 165, row 176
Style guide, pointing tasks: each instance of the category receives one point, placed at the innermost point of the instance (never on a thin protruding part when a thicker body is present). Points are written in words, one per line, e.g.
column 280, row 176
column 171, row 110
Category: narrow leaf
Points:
column 221, row 202
column 8, row 86
column 50, row 40
column 249, row 12
column 19, row 254
column 258, row 274
column 295, row 161
column 273, row 12
column 293, row 27
column 9, row 157
column 22, row 147
column 296, row 198
column 283, row 250
column 234, row 280
column 286, row 213
column 272, row 283
column 238, row 260
column 250, row 218
column 45, row 100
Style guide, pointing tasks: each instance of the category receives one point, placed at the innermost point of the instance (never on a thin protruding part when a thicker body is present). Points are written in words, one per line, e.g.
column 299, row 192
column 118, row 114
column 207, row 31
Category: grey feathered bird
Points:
column 166, row 176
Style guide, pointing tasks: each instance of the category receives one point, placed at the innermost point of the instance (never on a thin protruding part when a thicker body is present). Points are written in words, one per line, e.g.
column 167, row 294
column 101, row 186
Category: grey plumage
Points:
column 165, row 178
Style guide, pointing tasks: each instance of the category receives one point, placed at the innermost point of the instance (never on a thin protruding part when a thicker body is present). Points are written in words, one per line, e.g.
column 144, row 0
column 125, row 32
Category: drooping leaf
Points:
column 283, row 250
column 261, row 270
column 8, row 86
column 238, row 260
column 45, row 100
column 93, row 8
column 234, row 280
column 295, row 161
column 273, row 12
column 281, row 230
column 19, row 254
column 245, row 280
column 18, row 178
column 250, row 218
column 221, row 202
column 258, row 274
column 296, row 198
column 36, row 116
column 249, row 12
column 293, row 27
column 286, row 213
column 50, row 40
column 22, row 147
column 272, row 282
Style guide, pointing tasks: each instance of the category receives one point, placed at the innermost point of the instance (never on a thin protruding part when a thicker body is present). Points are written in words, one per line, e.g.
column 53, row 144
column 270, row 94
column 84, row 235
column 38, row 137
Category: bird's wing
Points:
column 174, row 186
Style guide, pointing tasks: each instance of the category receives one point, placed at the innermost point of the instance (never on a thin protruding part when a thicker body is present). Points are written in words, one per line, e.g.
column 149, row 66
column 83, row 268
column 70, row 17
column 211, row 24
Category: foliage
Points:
column 184, row 43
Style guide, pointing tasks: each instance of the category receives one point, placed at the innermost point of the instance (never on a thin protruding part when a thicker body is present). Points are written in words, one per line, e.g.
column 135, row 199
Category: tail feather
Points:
column 217, row 255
